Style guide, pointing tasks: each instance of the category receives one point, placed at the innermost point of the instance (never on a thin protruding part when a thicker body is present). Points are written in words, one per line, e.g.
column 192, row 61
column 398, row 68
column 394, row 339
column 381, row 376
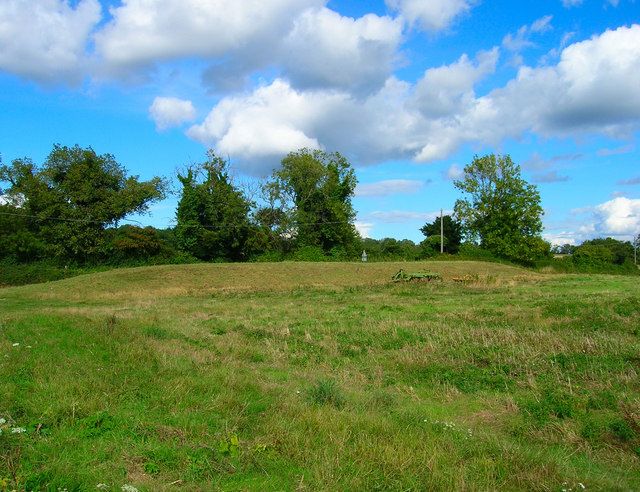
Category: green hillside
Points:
column 321, row 376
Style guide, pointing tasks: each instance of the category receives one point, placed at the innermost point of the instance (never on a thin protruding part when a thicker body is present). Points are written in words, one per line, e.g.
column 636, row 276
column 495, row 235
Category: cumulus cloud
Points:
column 592, row 89
column 325, row 49
column 448, row 89
column 620, row 216
column 259, row 128
column 432, row 15
column 45, row 40
column 143, row 32
column 169, row 112
column 310, row 45
column 571, row 3
column 389, row 187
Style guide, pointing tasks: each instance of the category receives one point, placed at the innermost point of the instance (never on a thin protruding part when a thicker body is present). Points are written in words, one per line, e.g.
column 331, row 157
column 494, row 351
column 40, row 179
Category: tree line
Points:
column 72, row 209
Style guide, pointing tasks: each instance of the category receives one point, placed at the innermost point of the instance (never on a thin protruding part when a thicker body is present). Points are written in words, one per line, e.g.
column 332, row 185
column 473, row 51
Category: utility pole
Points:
column 441, row 234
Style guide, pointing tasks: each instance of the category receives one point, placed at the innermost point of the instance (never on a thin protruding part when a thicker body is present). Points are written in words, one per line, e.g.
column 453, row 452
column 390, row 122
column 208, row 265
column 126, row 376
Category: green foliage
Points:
column 600, row 251
column 430, row 247
column 452, row 231
column 212, row 215
column 70, row 201
column 592, row 255
column 132, row 242
column 309, row 253
column 12, row 273
column 312, row 193
column 388, row 248
column 501, row 209
column 326, row 392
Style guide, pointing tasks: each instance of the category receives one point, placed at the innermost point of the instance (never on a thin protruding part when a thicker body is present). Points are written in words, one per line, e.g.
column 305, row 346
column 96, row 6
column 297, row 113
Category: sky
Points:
column 408, row 90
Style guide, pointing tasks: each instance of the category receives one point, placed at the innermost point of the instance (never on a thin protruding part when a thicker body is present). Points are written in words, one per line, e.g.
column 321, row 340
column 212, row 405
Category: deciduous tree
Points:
column 314, row 188
column 500, row 209
column 212, row 215
column 69, row 202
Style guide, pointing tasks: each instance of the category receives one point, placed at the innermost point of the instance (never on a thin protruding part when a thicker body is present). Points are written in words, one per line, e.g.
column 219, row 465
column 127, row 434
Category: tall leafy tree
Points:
column 451, row 229
column 500, row 209
column 314, row 188
column 212, row 215
column 69, row 202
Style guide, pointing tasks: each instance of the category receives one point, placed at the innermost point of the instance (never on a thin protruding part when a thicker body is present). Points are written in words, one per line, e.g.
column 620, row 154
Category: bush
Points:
column 34, row 273
column 268, row 257
column 592, row 255
column 474, row 252
column 309, row 253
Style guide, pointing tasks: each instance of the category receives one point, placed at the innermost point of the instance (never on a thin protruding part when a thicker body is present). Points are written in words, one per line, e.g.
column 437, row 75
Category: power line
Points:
column 84, row 221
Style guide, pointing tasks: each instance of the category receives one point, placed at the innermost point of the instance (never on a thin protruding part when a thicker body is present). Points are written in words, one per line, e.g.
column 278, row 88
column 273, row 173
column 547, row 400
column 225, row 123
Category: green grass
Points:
column 321, row 377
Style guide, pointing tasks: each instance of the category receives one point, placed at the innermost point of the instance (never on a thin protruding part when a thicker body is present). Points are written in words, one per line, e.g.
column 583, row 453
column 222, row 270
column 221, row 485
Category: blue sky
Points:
column 408, row 90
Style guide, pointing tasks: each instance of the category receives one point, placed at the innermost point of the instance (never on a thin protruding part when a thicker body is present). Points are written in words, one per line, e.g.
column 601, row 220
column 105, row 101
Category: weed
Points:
column 326, row 392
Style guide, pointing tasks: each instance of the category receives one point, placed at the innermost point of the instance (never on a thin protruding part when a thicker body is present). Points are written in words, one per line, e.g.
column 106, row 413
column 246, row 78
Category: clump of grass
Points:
column 326, row 392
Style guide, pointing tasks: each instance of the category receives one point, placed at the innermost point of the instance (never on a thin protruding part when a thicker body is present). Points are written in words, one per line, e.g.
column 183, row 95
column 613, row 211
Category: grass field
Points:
column 321, row 376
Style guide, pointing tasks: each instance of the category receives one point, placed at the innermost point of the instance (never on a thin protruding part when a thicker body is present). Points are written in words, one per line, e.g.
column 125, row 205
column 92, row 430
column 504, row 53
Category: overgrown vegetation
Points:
column 64, row 218
column 321, row 376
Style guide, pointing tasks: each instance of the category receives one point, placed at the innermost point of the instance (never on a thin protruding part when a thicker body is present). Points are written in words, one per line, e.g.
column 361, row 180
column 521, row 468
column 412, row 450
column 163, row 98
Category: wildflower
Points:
column 16, row 344
column 18, row 430
column 128, row 488
column 3, row 421
column 102, row 486
column 581, row 485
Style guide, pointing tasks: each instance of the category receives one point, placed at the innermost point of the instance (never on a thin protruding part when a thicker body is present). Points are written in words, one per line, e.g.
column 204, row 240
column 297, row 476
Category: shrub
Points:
column 309, row 253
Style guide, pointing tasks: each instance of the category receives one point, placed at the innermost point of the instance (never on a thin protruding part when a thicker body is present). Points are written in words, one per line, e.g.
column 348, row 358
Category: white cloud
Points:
column 571, row 3
column 144, row 32
column 310, row 45
column 325, row 49
column 168, row 112
column 259, row 128
column 522, row 39
column 448, row 89
column 454, row 172
column 431, row 15
column 389, row 187
column 620, row 216
column 592, row 89
column 45, row 40
column 364, row 228
column 262, row 127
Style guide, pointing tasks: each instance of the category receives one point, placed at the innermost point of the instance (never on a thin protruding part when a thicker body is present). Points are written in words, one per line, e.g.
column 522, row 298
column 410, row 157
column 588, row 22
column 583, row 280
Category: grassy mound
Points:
column 321, row 377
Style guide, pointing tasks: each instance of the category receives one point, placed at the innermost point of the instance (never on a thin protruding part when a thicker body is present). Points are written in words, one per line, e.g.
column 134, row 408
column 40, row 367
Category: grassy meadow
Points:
column 321, row 376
